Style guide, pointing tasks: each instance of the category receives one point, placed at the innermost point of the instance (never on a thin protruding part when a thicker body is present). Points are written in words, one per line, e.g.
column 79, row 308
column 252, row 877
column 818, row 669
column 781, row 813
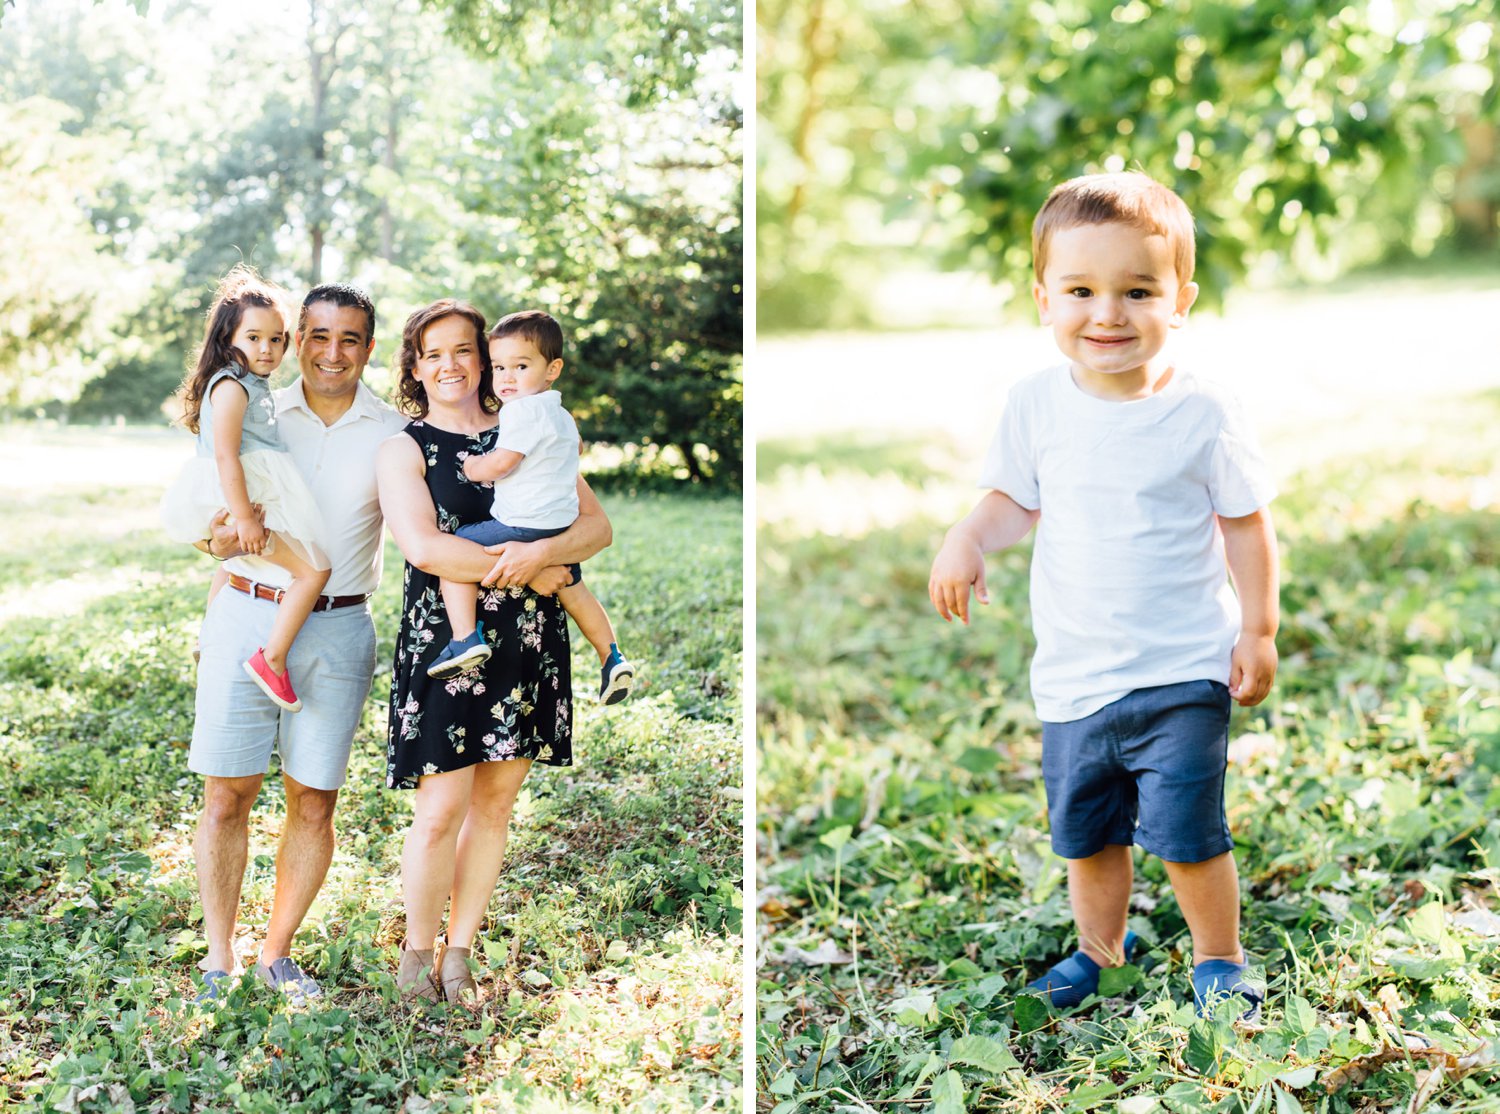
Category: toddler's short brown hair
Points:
column 1129, row 197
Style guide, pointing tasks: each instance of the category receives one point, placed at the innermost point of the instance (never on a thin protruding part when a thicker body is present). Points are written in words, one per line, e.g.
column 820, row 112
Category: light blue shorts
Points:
column 235, row 725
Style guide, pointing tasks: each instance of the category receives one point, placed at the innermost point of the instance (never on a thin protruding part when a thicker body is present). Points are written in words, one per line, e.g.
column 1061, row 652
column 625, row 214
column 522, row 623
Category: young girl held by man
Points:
column 242, row 465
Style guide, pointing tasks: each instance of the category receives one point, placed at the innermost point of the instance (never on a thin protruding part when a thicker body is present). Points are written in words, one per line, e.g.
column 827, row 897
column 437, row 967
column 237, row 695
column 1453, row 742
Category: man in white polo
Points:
column 332, row 424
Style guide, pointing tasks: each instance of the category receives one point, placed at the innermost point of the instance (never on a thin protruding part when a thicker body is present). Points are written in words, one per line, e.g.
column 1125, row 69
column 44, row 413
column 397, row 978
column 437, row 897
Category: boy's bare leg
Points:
column 591, row 618
column 1209, row 894
column 1099, row 892
column 462, row 602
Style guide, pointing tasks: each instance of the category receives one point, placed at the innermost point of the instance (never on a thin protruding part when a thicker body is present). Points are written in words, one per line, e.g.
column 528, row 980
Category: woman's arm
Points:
column 230, row 400
column 407, row 506
column 524, row 562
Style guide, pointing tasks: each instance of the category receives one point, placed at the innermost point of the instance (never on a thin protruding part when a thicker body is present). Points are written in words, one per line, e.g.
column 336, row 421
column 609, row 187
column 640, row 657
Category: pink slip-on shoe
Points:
column 278, row 688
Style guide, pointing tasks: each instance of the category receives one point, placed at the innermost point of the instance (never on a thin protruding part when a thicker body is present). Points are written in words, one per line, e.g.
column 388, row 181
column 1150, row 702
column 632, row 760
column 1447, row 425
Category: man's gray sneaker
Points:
column 284, row 975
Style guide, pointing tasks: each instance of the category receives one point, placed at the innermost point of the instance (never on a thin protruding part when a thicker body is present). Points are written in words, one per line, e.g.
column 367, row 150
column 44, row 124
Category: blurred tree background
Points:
column 1309, row 137
column 582, row 156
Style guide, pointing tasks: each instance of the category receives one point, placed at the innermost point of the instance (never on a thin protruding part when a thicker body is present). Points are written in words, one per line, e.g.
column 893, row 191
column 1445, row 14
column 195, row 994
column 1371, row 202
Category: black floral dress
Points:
column 519, row 703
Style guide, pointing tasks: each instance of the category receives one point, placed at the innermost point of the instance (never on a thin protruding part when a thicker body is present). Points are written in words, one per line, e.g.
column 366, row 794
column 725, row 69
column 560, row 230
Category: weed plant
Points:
column 907, row 890
column 611, row 952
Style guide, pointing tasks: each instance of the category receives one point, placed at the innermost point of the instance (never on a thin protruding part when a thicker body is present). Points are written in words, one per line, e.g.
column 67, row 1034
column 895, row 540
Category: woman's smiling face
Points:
column 449, row 365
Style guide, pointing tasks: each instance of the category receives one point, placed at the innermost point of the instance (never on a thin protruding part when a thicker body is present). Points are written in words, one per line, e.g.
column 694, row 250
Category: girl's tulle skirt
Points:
column 272, row 480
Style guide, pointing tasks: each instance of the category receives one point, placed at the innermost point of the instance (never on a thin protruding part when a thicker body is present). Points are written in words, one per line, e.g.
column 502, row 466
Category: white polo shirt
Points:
column 338, row 463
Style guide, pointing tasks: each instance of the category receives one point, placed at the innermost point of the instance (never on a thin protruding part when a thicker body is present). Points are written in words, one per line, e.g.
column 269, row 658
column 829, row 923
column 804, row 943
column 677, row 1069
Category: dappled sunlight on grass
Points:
column 624, row 867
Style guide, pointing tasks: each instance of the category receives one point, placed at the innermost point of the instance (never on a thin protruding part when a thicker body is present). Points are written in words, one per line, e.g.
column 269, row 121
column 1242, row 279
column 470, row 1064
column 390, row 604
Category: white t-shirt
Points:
column 338, row 463
column 542, row 491
column 1129, row 588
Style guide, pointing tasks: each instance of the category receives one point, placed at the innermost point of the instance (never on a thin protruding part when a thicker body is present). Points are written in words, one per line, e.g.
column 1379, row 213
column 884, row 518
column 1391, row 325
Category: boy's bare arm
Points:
column 996, row 522
column 1250, row 549
column 493, row 465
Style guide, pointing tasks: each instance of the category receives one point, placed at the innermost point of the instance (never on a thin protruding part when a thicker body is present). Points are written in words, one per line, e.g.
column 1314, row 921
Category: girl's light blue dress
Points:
column 271, row 478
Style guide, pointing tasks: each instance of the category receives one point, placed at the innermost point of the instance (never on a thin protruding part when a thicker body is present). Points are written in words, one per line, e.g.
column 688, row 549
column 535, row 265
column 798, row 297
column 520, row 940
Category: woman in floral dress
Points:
column 466, row 743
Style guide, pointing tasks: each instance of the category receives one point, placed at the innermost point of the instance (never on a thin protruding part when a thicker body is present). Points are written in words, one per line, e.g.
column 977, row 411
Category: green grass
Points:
column 612, row 946
column 907, row 890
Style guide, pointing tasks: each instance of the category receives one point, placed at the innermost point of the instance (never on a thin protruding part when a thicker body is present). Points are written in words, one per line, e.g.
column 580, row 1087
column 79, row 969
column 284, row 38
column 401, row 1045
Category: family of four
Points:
column 475, row 471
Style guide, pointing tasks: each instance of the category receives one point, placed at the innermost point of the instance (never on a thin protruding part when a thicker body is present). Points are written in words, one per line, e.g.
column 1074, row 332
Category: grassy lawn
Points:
column 612, row 949
column 906, row 885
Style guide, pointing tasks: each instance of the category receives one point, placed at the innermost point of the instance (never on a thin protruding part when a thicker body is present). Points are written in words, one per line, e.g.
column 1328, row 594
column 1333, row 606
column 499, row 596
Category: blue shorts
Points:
column 235, row 725
column 494, row 532
column 1147, row 769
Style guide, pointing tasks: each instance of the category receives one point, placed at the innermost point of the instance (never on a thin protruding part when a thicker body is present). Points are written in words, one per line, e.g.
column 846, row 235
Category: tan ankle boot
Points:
column 455, row 978
column 414, row 978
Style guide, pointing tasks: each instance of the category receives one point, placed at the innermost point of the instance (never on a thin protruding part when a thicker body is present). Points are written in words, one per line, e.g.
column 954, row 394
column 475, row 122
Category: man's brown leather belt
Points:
column 267, row 592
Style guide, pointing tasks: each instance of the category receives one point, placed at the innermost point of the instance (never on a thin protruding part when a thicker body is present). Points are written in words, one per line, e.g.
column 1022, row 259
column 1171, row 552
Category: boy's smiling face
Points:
column 520, row 367
column 1111, row 294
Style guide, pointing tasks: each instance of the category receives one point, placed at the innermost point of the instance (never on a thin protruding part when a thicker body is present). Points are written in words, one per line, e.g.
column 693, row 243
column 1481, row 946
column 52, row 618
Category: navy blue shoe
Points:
column 1068, row 983
column 1218, row 980
column 616, row 677
column 216, row 986
column 461, row 655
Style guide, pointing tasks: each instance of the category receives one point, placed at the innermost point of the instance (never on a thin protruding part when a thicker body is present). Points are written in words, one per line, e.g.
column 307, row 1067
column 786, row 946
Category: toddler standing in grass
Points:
column 1142, row 481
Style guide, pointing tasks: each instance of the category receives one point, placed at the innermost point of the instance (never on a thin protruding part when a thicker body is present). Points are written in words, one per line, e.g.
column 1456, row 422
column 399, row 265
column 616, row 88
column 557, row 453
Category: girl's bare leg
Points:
column 300, row 598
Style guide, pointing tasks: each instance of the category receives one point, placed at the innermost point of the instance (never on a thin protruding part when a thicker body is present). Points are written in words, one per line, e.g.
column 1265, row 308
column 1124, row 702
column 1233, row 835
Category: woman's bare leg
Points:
column 481, row 845
column 427, row 860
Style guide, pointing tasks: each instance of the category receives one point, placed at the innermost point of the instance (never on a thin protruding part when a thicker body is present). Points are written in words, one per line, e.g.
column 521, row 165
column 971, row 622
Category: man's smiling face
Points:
column 333, row 349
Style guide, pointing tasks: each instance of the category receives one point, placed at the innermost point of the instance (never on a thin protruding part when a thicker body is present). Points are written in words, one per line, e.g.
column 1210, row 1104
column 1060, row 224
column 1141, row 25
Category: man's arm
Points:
column 996, row 522
column 1250, row 550
column 522, row 562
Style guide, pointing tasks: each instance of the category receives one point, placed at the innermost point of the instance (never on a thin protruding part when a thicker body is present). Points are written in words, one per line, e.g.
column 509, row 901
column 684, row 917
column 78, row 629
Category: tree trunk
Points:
column 1476, row 203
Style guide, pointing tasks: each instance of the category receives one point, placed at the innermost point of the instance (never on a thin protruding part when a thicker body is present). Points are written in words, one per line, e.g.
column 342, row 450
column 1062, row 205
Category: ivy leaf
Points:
column 1205, row 1047
column 1117, row 980
column 984, row 1053
column 948, row 1094
column 1031, row 1013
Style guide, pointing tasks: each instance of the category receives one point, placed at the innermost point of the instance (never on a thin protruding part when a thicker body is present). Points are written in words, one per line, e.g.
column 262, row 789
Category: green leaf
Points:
column 1117, row 980
column 979, row 760
column 985, row 1053
column 836, row 838
column 1427, row 923
column 1091, row 1095
column 948, row 1094
column 964, row 969
column 1031, row 1013
column 1205, row 1047
column 1286, row 1102
column 1299, row 1078
column 137, row 862
column 784, row 1084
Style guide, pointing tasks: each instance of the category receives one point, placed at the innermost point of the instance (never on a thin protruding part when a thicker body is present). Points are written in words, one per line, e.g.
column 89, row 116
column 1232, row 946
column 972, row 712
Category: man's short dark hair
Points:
column 540, row 328
column 340, row 294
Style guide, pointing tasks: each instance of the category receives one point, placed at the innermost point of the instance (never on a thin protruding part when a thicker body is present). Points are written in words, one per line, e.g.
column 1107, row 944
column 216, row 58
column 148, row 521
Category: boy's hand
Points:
column 1252, row 668
column 469, row 466
column 958, row 567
